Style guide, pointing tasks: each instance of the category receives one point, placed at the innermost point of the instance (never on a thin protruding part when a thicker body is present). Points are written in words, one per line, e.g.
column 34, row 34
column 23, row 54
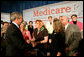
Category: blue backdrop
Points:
column 11, row 6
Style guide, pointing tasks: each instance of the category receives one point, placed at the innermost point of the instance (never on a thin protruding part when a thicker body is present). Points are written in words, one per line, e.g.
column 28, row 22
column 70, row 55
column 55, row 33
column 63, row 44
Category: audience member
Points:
column 79, row 24
column 58, row 39
column 75, row 21
column 3, row 38
column 30, row 28
column 41, row 38
column 60, row 18
column 26, row 33
column 72, row 37
column 49, row 27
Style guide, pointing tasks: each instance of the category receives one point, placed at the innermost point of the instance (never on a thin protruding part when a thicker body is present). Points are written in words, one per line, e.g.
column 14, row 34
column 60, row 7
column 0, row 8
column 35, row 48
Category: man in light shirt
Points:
column 60, row 18
column 49, row 27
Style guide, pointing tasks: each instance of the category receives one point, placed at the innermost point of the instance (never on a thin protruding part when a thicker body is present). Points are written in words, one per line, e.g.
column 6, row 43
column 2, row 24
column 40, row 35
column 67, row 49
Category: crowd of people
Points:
column 58, row 37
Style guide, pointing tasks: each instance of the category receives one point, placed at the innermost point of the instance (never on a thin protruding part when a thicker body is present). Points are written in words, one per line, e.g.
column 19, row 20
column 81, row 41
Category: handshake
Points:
column 34, row 44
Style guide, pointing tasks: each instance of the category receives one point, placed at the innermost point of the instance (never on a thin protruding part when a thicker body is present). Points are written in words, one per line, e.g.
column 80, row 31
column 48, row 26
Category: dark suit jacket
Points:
column 15, row 44
column 73, row 36
column 80, row 48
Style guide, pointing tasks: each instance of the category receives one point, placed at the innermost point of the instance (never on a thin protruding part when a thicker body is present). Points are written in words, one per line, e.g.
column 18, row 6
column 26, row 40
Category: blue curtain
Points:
column 21, row 5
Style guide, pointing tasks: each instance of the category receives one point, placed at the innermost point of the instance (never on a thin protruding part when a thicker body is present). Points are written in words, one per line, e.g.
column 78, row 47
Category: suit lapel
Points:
column 67, row 33
column 18, row 30
column 67, row 28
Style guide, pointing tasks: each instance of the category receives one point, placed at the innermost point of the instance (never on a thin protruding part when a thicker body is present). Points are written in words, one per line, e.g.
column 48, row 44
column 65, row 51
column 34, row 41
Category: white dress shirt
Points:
column 66, row 26
column 15, row 24
column 49, row 27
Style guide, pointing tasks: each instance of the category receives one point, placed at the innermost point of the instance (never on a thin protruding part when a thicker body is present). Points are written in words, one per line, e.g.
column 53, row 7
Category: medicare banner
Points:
column 55, row 10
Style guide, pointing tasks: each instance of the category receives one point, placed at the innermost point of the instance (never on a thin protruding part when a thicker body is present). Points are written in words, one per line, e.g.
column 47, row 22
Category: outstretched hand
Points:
column 34, row 44
column 28, row 41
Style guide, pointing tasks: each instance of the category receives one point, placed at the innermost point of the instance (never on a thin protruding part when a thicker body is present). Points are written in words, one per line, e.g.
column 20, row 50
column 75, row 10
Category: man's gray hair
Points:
column 66, row 17
column 15, row 15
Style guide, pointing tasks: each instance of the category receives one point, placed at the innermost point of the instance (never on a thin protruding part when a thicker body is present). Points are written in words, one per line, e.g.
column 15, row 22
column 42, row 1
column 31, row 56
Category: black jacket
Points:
column 15, row 44
column 80, row 48
column 58, row 43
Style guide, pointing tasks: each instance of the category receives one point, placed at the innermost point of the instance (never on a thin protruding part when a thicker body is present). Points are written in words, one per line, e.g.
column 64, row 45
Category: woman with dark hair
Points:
column 30, row 27
column 75, row 21
column 58, row 39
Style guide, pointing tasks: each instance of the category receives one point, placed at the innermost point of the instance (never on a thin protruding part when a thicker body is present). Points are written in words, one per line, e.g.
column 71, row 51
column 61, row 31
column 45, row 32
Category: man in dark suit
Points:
column 15, row 43
column 72, row 35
